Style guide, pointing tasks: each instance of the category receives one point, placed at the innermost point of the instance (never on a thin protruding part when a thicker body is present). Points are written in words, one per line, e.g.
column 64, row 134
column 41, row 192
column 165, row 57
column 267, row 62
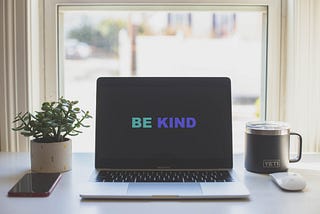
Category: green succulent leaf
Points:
column 54, row 122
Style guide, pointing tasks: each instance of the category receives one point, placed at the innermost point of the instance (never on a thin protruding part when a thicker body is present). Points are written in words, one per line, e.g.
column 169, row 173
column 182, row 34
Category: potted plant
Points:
column 51, row 150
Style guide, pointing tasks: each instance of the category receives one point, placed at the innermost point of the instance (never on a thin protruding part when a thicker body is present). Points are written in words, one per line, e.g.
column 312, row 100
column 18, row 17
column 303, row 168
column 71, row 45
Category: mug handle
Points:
column 296, row 159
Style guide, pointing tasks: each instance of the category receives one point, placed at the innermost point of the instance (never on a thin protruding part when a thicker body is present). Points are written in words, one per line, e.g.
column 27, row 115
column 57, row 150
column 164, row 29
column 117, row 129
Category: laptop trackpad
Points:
column 165, row 189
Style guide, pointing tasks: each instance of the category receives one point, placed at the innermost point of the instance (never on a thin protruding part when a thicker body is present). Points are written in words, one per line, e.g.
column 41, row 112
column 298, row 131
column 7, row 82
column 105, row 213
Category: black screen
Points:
column 163, row 122
column 35, row 183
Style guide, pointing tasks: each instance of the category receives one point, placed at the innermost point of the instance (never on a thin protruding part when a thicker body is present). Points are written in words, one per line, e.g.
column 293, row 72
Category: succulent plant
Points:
column 53, row 123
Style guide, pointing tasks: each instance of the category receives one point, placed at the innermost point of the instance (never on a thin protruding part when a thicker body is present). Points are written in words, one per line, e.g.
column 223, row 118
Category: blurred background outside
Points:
column 160, row 43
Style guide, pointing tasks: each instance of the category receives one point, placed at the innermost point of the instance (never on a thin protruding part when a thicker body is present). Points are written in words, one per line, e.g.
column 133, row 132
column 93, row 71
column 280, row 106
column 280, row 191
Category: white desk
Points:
column 265, row 196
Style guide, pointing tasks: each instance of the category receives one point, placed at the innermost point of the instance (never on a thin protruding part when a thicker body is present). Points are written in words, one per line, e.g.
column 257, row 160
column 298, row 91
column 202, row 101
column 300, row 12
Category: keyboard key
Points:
column 164, row 176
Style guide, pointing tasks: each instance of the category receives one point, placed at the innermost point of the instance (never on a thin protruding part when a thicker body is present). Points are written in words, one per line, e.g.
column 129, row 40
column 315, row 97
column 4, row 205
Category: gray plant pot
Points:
column 51, row 157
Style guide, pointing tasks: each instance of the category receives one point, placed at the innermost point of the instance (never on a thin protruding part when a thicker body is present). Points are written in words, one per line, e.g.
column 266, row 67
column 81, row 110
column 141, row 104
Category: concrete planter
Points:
column 51, row 157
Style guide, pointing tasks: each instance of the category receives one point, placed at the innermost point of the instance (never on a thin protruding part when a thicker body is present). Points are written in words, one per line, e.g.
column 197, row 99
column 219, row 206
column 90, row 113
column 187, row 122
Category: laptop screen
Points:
column 163, row 123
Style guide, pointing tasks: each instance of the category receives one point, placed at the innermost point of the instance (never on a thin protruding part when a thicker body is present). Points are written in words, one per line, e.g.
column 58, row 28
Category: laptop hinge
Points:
column 163, row 169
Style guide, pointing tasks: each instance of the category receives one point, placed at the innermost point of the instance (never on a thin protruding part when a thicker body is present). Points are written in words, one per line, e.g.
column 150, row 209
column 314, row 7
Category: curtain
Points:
column 13, row 71
column 302, row 78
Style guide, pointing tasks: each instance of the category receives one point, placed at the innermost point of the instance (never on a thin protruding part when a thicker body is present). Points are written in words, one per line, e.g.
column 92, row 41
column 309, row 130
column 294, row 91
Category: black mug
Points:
column 267, row 147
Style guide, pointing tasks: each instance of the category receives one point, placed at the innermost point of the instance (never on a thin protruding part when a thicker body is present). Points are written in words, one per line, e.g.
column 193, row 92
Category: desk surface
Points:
column 265, row 197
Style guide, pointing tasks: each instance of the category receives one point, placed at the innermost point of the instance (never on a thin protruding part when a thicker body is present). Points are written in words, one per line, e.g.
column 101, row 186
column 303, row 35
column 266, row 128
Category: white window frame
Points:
column 272, row 83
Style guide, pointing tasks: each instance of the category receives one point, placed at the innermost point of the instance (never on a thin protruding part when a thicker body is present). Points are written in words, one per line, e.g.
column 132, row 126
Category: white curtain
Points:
column 13, row 71
column 302, row 77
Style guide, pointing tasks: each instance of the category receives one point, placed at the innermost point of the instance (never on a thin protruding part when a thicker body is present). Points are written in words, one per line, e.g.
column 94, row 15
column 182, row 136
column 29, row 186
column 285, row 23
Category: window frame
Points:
column 271, row 81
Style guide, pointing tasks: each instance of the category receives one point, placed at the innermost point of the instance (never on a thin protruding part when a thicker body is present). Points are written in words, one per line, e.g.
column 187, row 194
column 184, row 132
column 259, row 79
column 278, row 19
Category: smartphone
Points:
column 35, row 185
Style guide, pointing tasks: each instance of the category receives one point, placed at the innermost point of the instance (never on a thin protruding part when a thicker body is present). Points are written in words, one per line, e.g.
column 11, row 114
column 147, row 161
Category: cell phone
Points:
column 35, row 185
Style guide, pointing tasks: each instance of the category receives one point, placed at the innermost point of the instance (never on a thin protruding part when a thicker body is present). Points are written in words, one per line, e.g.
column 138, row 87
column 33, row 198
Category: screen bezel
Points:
column 114, row 163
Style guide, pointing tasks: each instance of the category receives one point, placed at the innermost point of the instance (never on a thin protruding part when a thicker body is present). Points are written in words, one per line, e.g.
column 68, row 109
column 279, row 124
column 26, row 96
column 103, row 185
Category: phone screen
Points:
column 35, row 185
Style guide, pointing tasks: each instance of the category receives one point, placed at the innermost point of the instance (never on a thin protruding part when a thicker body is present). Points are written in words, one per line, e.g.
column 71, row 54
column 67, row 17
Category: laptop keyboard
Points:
column 164, row 176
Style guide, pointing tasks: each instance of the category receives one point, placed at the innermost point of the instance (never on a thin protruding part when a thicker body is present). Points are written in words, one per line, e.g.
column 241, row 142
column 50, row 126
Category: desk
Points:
column 265, row 197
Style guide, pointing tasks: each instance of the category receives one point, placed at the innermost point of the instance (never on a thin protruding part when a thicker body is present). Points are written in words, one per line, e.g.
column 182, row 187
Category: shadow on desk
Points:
column 227, row 200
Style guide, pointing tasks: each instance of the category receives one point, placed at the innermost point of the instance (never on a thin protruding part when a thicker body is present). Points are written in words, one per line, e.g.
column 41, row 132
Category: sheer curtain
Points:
column 302, row 79
column 13, row 71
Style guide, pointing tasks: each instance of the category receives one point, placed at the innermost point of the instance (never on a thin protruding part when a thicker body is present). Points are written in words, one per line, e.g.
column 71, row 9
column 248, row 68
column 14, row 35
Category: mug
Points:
column 267, row 147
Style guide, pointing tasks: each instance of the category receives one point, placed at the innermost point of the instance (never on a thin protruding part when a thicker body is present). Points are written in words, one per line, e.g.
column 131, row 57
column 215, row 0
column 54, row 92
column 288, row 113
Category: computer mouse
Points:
column 289, row 181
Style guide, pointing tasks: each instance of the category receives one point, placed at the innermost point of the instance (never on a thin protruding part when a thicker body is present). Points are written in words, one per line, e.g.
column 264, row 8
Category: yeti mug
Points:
column 267, row 147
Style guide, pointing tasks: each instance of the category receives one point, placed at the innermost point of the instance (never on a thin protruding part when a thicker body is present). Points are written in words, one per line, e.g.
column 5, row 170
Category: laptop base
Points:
column 216, row 190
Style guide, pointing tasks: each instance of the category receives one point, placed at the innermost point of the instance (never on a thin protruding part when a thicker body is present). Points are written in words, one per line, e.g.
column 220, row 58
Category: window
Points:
column 170, row 40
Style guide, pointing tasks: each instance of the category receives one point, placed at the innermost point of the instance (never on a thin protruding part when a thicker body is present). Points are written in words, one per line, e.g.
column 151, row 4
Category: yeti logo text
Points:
column 163, row 122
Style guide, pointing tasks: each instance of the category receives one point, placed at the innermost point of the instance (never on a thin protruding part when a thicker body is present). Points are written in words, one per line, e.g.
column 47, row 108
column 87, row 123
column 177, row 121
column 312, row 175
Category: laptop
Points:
column 163, row 138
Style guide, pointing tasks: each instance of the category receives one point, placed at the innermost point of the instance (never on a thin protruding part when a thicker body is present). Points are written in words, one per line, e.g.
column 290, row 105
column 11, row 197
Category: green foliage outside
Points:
column 104, row 35
column 109, row 29
column 258, row 107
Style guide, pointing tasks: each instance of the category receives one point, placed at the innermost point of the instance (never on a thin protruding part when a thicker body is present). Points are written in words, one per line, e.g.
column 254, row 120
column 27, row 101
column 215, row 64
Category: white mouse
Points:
column 289, row 181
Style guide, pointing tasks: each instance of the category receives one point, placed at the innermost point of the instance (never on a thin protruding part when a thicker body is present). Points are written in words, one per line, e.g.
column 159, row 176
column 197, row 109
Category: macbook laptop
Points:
column 163, row 138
